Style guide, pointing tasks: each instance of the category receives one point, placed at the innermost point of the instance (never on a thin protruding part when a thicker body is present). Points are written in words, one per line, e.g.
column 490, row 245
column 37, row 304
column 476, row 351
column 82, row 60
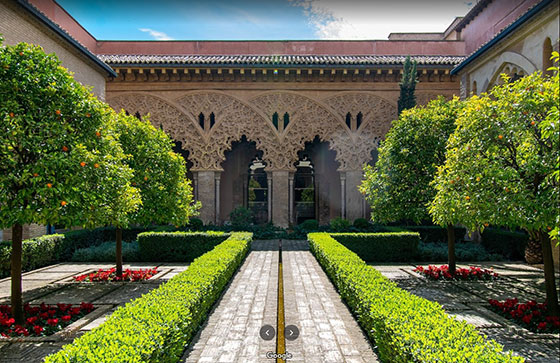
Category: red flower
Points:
column 32, row 320
column 66, row 318
column 527, row 318
column 38, row 329
column 52, row 322
column 541, row 326
column 44, row 316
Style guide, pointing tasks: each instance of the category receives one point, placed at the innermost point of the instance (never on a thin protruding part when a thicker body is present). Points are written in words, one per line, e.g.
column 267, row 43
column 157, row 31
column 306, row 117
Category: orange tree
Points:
column 398, row 187
column 59, row 162
column 500, row 167
column 159, row 174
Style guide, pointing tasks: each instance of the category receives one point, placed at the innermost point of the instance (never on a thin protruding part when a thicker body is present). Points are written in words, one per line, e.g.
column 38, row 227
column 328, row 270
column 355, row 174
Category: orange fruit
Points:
column 64, row 148
column 500, row 137
column 467, row 197
column 12, row 114
column 49, row 185
column 477, row 178
column 145, row 178
column 63, row 203
column 133, row 183
column 98, row 134
column 20, row 53
column 82, row 164
column 452, row 181
column 88, row 114
column 507, row 189
column 532, row 123
column 486, row 224
column 35, row 174
column 96, row 165
column 57, row 112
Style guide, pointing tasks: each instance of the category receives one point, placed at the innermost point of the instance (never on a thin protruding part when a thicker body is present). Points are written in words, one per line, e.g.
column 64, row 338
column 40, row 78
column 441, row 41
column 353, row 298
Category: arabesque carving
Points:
column 235, row 118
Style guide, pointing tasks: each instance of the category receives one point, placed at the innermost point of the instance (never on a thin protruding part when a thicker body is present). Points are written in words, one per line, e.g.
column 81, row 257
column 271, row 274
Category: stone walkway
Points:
column 53, row 284
column 328, row 333
column 467, row 300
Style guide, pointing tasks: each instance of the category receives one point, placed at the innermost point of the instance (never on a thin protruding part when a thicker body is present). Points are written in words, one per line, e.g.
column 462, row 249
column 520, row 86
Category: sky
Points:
column 262, row 19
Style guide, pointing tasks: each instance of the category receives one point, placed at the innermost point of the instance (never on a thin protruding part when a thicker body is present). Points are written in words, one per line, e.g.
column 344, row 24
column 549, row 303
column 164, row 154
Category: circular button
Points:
column 267, row 332
column 291, row 332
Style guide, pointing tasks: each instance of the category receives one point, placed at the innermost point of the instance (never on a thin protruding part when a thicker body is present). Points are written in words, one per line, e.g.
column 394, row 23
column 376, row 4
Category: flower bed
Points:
column 529, row 315
column 41, row 320
column 157, row 326
column 111, row 275
column 471, row 273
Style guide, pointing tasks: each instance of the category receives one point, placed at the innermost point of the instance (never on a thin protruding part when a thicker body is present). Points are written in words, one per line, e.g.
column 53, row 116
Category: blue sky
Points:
column 261, row 19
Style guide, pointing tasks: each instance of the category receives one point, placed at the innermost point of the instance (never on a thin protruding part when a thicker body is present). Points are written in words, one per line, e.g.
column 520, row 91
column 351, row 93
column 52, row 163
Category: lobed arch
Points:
column 180, row 126
column 378, row 114
column 234, row 119
column 309, row 118
column 511, row 63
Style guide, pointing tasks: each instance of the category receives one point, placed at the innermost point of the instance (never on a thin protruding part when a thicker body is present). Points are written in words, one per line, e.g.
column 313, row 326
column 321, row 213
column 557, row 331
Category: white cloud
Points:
column 375, row 19
column 156, row 34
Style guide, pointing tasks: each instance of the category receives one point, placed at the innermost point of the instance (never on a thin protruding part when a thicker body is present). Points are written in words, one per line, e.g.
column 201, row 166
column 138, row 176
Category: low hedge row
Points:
column 177, row 246
column 157, row 326
column 381, row 247
column 507, row 243
column 405, row 327
column 37, row 252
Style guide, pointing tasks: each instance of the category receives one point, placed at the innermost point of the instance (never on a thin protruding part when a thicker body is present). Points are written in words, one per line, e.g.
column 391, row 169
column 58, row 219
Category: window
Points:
column 359, row 120
column 201, row 120
column 275, row 120
column 349, row 120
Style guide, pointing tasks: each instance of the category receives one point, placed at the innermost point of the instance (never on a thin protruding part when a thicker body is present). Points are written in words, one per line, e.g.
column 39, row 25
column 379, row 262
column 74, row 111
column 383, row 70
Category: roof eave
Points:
column 55, row 28
column 507, row 31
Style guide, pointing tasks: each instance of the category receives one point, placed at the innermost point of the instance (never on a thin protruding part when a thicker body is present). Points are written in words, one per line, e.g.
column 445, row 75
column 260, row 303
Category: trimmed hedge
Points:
column 381, row 247
column 177, row 246
column 507, row 243
column 157, row 326
column 37, row 252
column 405, row 327
column 106, row 252
column 437, row 234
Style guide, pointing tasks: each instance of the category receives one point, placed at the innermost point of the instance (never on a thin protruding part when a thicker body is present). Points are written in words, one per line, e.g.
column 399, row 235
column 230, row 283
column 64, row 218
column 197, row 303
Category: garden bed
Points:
column 41, row 320
column 111, row 275
column 470, row 274
column 531, row 315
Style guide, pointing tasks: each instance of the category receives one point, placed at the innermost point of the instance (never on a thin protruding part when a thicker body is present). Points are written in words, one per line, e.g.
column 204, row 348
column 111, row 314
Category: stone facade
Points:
column 243, row 105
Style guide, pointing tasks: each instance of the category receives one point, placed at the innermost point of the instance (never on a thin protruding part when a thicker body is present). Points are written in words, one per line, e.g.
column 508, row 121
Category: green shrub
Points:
column 405, row 327
column 177, row 246
column 37, row 252
column 339, row 224
column 309, row 225
column 507, row 243
column 157, row 326
column 436, row 233
column 362, row 224
column 381, row 247
column 195, row 224
column 241, row 218
column 464, row 251
column 105, row 252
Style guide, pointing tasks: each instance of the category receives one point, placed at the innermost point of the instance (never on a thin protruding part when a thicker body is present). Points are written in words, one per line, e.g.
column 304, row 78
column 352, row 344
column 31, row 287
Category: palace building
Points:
column 284, row 128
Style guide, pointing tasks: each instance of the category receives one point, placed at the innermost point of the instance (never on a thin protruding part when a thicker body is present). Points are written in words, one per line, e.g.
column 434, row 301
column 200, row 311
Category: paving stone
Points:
column 76, row 293
column 475, row 318
column 126, row 292
column 47, row 275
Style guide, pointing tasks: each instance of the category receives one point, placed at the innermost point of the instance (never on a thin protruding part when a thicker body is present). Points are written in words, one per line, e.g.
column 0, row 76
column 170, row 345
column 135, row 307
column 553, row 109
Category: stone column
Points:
column 354, row 199
column 280, row 198
column 217, row 197
column 291, row 198
column 342, row 194
column 269, row 195
column 206, row 194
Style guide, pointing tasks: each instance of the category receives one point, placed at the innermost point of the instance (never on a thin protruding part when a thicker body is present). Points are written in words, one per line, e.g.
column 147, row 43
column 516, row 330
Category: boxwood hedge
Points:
column 381, row 247
column 157, row 326
column 177, row 246
column 405, row 327
column 37, row 252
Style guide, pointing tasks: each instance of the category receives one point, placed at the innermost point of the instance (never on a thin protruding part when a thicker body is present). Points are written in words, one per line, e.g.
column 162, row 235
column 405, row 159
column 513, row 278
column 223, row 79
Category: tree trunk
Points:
column 17, row 300
column 550, row 284
column 119, row 251
column 451, row 248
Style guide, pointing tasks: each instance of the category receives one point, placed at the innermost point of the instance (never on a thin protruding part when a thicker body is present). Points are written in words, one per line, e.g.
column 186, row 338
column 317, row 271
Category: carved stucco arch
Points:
column 234, row 119
column 378, row 114
column 180, row 126
column 511, row 60
column 309, row 118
